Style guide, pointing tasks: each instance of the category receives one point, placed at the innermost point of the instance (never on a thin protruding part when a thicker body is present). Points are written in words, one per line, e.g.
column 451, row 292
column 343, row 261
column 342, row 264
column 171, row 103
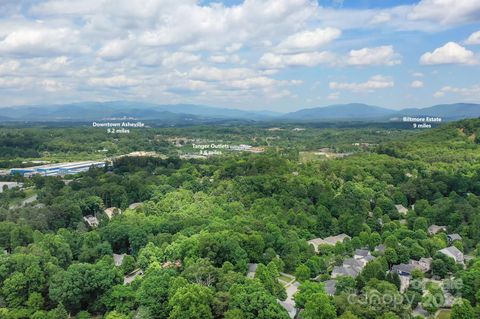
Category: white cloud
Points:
column 309, row 59
column 55, row 64
column 334, row 96
column 471, row 93
column 115, row 49
column 224, row 58
column 374, row 83
column 418, row 74
column 14, row 82
column 308, row 40
column 474, row 38
column 381, row 17
column 450, row 53
column 217, row 74
column 117, row 81
column 211, row 50
column 38, row 41
column 383, row 55
column 447, row 11
column 234, row 47
column 52, row 85
column 180, row 58
column 417, row 84
column 65, row 7
column 9, row 67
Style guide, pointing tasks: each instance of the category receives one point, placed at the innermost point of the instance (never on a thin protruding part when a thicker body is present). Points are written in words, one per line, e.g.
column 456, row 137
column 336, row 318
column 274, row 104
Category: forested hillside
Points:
column 211, row 238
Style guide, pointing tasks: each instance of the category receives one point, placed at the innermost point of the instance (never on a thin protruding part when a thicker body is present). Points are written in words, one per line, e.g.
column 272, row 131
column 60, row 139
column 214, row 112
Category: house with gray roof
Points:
column 361, row 253
column 453, row 252
column 403, row 269
column 339, row 271
column 453, row 237
column 354, row 265
column 331, row 240
column 330, row 287
column 434, row 229
column 424, row 264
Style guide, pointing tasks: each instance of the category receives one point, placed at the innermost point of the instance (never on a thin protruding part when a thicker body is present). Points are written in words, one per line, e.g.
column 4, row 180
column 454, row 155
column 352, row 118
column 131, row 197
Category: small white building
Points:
column 118, row 259
column 135, row 205
column 112, row 211
column 131, row 277
column 401, row 209
column 91, row 220
column 9, row 185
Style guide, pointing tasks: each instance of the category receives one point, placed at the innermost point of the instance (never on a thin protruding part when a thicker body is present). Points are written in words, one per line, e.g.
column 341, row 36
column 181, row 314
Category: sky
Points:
column 278, row 55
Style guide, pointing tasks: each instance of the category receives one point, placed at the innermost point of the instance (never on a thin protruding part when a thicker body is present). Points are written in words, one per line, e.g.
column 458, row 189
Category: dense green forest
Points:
column 19, row 146
column 189, row 247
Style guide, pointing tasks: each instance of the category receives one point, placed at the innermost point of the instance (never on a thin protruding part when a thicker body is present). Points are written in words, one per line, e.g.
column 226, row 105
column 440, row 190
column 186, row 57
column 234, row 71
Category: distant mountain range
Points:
column 184, row 113
column 340, row 112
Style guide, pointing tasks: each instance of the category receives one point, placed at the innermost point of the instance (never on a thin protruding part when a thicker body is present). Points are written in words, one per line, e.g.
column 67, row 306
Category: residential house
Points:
column 331, row 240
column 330, row 287
column 352, row 266
column 339, row 271
column 453, row 237
column 405, row 271
column 252, row 269
column 91, row 220
column 131, row 277
column 112, row 211
column 424, row 264
column 118, row 259
column 361, row 253
column 135, row 205
column 453, row 252
column 401, row 209
column 434, row 229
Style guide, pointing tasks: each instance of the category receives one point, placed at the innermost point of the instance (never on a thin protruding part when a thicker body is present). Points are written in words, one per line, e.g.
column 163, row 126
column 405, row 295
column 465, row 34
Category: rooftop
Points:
column 331, row 240
column 433, row 229
column 453, row 237
column 453, row 252
column 118, row 259
column 401, row 209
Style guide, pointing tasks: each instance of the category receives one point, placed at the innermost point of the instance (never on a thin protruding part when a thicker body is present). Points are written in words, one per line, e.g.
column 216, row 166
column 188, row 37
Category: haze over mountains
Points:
column 89, row 111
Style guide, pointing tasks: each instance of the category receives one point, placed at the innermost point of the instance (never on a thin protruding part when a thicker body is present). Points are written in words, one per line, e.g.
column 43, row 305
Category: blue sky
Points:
column 280, row 55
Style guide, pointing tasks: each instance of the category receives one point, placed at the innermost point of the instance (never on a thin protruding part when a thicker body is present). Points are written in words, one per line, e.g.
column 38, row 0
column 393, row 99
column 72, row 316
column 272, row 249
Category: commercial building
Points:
column 59, row 169
column 9, row 185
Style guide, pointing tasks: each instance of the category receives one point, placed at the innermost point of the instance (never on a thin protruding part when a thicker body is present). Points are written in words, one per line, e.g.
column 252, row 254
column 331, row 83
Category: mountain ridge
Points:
column 87, row 111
